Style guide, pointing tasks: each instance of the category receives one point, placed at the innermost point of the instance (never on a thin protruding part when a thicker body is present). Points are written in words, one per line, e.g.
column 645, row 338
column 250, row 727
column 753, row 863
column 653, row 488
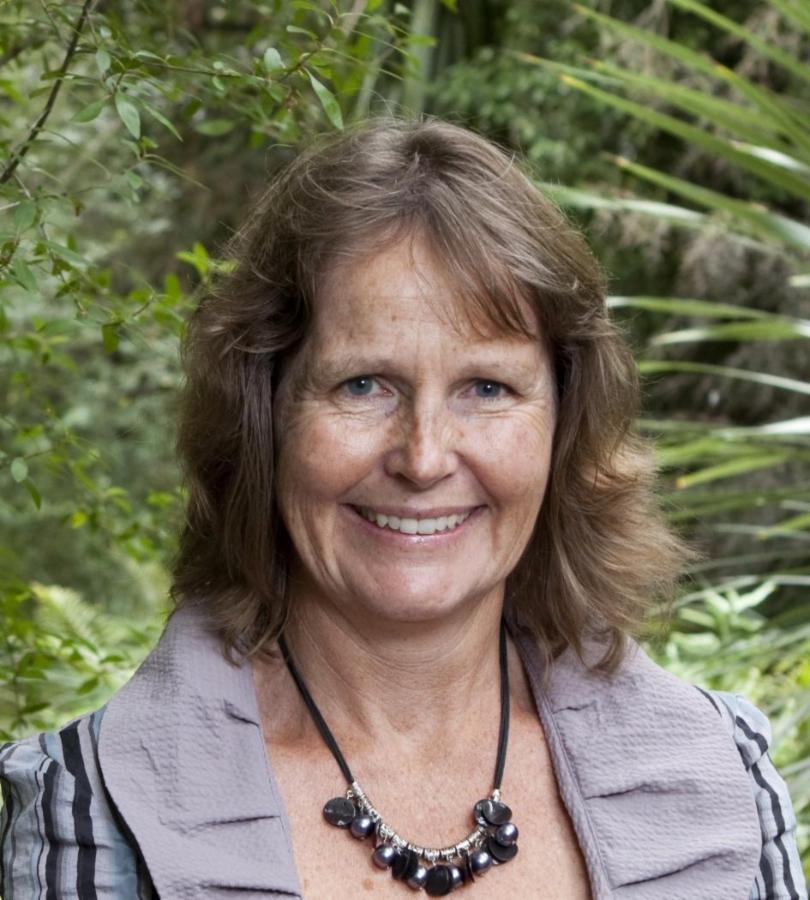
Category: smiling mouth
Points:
column 403, row 525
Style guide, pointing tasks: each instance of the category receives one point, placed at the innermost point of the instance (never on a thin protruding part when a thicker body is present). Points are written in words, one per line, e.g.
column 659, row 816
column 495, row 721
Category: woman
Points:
column 420, row 529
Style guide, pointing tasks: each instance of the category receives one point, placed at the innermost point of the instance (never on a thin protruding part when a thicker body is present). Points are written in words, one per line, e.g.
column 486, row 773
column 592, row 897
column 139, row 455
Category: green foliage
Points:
column 61, row 654
column 746, row 626
column 122, row 123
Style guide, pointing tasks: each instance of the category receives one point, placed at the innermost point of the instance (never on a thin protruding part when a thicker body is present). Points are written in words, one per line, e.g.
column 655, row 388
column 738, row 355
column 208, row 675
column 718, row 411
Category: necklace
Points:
column 493, row 840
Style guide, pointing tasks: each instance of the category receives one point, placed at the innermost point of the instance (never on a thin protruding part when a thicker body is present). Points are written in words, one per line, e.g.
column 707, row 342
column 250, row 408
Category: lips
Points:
column 423, row 525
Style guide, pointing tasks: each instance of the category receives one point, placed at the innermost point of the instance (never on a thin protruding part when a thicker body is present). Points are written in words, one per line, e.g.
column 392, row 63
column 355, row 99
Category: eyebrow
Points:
column 332, row 368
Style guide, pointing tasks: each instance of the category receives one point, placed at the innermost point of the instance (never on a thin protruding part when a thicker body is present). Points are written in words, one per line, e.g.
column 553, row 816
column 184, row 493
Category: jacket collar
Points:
column 655, row 788
column 183, row 756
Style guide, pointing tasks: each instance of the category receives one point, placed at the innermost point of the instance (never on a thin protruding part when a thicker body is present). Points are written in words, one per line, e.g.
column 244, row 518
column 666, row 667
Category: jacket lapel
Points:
column 654, row 784
column 183, row 757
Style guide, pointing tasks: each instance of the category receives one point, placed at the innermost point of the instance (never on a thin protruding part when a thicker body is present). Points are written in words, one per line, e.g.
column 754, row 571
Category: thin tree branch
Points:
column 26, row 145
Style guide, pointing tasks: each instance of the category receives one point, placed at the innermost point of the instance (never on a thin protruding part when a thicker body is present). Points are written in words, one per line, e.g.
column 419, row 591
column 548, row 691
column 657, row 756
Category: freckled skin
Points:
column 422, row 431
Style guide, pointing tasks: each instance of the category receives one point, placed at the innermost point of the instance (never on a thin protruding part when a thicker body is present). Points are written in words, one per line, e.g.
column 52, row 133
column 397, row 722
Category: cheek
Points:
column 515, row 460
column 322, row 456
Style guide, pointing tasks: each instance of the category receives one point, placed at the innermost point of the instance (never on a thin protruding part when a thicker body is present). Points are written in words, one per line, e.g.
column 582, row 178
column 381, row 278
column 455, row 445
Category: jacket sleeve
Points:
column 780, row 875
column 59, row 836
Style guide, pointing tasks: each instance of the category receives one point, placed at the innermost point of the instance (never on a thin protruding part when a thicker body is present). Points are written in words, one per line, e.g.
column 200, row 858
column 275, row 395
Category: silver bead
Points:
column 419, row 877
column 383, row 856
column 507, row 834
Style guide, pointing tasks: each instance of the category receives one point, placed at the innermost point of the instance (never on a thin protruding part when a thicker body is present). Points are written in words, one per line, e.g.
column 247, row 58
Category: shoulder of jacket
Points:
column 61, row 749
column 746, row 723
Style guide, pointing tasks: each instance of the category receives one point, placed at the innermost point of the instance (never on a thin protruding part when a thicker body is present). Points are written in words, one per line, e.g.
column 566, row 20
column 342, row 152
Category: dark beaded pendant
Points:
column 436, row 871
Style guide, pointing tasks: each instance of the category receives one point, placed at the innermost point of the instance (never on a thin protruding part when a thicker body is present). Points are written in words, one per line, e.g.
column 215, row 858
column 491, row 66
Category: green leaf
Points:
column 19, row 469
column 159, row 117
column 742, row 215
column 775, row 54
column 328, row 101
column 66, row 254
column 23, row 275
column 110, row 336
column 25, row 215
column 272, row 60
column 128, row 114
column 215, row 127
column 795, row 11
column 659, row 367
column 32, row 490
column 767, row 171
column 91, row 111
column 90, row 685
column 774, row 329
column 687, row 307
column 103, row 60
column 769, row 103
column 731, row 468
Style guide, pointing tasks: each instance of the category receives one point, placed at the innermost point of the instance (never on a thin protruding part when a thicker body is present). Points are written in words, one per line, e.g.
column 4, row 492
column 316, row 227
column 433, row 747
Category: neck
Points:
column 396, row 682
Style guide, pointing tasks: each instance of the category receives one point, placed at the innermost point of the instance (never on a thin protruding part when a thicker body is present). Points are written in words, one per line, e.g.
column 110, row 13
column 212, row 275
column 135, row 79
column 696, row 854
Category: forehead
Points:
column 403, row 286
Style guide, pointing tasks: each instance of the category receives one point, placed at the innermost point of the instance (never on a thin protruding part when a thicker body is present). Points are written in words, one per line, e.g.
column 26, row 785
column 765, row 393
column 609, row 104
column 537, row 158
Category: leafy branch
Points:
column 20, row 154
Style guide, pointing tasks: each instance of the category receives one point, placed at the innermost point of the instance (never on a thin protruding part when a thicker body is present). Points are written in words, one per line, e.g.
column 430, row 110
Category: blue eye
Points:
column 489, row 390
column 361, row 386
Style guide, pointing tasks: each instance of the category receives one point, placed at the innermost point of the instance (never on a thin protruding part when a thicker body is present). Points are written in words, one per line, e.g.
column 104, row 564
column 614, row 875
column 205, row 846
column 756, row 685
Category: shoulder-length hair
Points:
column 600, row 552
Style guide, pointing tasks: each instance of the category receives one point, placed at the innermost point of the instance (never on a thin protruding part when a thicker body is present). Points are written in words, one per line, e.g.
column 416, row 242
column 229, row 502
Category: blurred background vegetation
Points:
column 133, row 137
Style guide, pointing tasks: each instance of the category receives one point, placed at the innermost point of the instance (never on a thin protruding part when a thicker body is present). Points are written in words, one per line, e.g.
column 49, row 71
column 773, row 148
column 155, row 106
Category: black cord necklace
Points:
column 439, row 870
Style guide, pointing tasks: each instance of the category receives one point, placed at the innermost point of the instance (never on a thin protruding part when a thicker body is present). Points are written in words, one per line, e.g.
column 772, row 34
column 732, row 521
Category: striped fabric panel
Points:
column 59, row 838
column 780, row 875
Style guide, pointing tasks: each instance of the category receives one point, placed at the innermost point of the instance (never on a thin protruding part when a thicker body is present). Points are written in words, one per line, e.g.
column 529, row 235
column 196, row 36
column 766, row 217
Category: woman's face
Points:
column 413, row 454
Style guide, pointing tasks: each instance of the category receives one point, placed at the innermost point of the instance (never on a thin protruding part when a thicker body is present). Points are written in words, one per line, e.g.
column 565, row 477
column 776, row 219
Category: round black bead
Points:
column 384, row 855
column 340, row 812
column 506, row 834
column 362, row 826
column 500, row 853
column 457, row 876
column 495, row 813
column 439, row 881
column 479, row 862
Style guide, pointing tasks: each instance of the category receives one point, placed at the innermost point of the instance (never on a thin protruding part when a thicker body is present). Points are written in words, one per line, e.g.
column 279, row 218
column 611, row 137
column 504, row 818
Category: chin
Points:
column 420, row 604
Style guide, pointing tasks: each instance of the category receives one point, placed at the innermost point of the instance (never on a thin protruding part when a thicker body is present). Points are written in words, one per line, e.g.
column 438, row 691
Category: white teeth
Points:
column 414, row 526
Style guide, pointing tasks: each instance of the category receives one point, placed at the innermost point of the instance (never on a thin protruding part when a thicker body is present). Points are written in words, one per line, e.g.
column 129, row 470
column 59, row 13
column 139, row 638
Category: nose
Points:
column 424, row 450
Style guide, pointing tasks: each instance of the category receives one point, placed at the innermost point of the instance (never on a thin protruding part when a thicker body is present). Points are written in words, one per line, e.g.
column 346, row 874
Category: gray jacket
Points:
column 167, row 790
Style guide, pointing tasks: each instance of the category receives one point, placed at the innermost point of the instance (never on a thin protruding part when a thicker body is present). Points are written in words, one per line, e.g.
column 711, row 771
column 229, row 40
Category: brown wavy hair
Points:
column 600, row 552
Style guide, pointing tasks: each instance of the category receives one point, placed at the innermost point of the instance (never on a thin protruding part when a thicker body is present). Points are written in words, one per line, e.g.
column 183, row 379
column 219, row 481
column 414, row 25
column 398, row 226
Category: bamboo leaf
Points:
column 762, row 221
column 575, row 197
column 763, row 169
column 796, row 12
column 732, row 468
column 741, row 121
column 775, row 54
column 687, row 307
column 766, row 101
column 659, row 367
column 766, row 330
